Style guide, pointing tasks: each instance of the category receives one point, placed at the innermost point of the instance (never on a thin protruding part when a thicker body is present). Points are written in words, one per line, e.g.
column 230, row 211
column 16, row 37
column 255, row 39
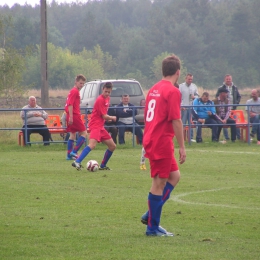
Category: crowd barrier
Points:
column 54, row 123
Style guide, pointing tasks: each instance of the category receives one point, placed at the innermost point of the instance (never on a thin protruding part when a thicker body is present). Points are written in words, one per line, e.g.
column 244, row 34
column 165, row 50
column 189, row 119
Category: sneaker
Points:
column 74, row 156
column 77, row 165
column 69, row 158
column 193, row 140
column 223, row 142
column 160, row 232
column 144, row 218
column 258, row 143
column 142, row 167
column 104, row 168
column 252, row 134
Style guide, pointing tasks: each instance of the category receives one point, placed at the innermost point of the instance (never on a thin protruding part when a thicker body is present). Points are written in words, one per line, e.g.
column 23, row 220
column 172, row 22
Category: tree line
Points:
column 127, row 39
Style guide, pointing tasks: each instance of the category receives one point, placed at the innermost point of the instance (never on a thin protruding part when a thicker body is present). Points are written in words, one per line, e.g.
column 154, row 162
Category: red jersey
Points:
column 162, row 106
column 100, row 108
column 73, row 99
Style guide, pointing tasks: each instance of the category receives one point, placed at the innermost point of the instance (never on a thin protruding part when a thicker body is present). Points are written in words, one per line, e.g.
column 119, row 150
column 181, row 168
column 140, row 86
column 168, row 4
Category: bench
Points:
column 241, row 123
column 53, row 123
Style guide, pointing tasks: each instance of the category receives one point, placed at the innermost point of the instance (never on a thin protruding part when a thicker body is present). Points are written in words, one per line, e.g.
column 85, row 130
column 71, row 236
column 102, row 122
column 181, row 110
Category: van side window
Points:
column 86, row 91
column 92, row 91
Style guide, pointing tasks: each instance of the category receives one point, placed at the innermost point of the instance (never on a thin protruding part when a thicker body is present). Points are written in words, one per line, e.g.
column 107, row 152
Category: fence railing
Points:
column 86, row 111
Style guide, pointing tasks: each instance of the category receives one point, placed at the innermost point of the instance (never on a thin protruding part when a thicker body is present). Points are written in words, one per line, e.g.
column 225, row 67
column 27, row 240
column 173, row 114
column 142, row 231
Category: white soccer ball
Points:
column 92, row 166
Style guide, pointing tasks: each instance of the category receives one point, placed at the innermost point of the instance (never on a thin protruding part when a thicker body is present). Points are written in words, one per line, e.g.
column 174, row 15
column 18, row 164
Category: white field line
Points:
column 177, row 198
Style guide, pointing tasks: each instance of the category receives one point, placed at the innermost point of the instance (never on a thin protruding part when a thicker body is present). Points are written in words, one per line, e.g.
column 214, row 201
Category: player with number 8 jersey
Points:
column 162, row 123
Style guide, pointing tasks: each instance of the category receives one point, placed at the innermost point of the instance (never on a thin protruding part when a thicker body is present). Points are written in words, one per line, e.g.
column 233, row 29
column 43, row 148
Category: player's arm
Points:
column 178, row 131
column 108, row 118
column 70, row 109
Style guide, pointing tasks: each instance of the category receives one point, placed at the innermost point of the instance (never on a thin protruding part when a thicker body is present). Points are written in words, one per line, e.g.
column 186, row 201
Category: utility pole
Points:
column 44, row 56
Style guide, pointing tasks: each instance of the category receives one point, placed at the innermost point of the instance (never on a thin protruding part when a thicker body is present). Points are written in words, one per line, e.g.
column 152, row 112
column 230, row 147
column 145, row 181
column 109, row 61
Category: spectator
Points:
column 35, row 121
column 204, row 112
column 125, row 116
column 223, row 113
column 254, row 112
column 234, row 98
column 110, row 126
column 189, row 92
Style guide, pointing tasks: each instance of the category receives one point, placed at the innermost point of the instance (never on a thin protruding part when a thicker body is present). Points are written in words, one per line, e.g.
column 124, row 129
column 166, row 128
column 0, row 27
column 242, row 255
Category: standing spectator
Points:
column 110, row 126
column 35, row 121
column 97, row 131
column 254, row 112
column 162, row 123
column 204, row 112
column 234, row 98
column 189, row 92
column 73, row 119
column 223, row 113
column 125, row 116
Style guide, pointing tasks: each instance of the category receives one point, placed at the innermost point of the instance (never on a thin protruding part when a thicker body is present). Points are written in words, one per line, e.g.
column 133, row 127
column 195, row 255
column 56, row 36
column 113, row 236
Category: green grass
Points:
column 48, row 210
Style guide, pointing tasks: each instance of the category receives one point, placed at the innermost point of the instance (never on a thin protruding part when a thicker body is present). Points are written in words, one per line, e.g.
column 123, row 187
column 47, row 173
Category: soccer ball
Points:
column 92, row 166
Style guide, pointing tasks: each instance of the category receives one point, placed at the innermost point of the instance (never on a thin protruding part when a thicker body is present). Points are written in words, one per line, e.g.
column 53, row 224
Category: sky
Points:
column 10, row 3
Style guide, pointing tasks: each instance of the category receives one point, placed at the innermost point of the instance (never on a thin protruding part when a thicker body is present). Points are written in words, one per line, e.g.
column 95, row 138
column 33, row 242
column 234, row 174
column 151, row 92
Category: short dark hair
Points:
column 206, row 94
column 170, row 65
column 80, row 77
column 108, row 85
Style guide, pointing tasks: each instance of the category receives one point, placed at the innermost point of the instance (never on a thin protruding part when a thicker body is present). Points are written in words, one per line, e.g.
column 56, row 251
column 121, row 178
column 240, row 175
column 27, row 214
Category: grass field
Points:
column 51, row 211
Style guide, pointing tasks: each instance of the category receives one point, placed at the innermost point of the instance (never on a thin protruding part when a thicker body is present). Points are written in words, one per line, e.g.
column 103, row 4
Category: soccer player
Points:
column 98, row 133
column 162, row 123
column 73, row 118
column 142, row 160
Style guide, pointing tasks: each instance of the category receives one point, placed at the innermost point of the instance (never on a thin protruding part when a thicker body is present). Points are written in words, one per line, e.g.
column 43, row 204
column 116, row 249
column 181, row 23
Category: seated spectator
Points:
column 204, row 112
column 110, row 126
column 125, row 116
column 35, row 119
column 223, row 113
column 254, row 112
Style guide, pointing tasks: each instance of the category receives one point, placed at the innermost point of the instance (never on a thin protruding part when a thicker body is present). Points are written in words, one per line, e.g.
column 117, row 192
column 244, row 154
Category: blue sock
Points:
column 166, row 195
column 70, row 145
column 83, row 154
column 155, row 210
column 167, row 192
column 79, row 143
column 107, row 156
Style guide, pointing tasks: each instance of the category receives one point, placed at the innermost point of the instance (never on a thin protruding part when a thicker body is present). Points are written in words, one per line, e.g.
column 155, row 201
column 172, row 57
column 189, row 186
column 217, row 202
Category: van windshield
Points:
column 122, row 88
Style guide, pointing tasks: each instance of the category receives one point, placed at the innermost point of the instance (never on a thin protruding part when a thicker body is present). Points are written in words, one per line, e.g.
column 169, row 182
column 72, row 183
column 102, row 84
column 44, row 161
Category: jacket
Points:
column 235, row 93
column 200, row 109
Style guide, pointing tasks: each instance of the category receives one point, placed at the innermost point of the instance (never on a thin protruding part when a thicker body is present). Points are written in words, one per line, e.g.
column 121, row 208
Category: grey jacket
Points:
column 31, row 119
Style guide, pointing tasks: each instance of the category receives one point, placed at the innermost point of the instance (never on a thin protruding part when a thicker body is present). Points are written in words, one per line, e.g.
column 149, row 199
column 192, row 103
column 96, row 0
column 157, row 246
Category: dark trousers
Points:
column 123, row 127
column 256, row 127
column 112, row 129
column 233, row 129
column 43, row 131
column 211, row 123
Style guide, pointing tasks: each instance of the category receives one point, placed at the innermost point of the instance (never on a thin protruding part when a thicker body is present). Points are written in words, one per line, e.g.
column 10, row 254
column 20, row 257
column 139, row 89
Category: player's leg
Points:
column 70, row 145
column 142, row 161
column 160, row 170
column 77, row 126
column 171, row 183
column 111, row 146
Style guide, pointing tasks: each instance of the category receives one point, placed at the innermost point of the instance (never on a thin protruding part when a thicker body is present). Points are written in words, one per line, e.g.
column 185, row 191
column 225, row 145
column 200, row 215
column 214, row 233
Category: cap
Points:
column 223, row 90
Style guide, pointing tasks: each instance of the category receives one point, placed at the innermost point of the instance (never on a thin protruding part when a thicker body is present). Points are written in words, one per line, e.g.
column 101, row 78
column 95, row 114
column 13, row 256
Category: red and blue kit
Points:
column 162, row 106
column 96, row 124
column 73, row 100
